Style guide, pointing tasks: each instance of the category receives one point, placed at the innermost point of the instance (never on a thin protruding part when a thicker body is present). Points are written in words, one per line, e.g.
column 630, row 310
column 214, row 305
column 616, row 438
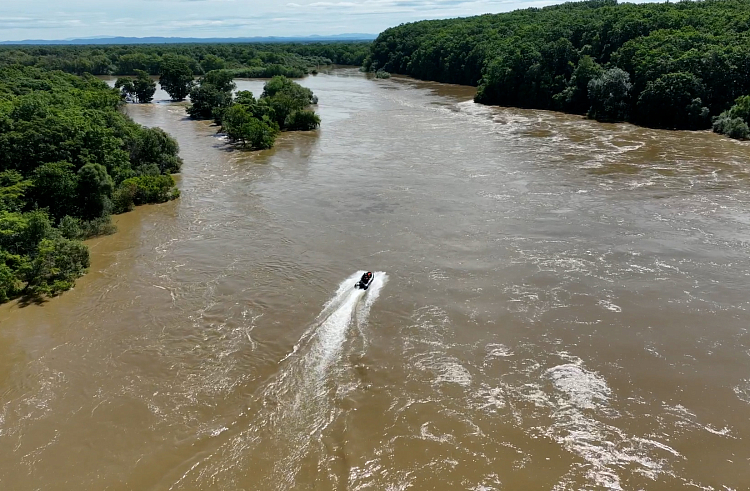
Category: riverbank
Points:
column 615, row 62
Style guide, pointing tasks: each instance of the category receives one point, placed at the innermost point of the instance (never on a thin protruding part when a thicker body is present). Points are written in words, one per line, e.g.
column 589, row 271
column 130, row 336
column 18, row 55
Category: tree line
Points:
column 68, row 160
column 666, row 65
column 249, row 60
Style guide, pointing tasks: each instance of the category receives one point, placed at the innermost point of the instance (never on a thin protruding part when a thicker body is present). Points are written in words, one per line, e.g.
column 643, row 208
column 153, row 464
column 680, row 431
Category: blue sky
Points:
column 63, row 19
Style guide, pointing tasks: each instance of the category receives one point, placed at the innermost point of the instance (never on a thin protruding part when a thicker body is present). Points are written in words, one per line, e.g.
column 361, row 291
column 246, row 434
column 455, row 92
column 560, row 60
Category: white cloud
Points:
column 41, row 19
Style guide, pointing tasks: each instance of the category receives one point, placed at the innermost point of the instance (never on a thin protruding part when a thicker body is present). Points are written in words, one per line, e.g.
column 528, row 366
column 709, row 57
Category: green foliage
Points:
column 212, row 95
column 146, row 189
column 10, row 284
column 176, row 76
column 153, row 150
column 55, row 188
column 255, row 123
column 56, row 265
column 269, row 71
column 64, row 147
column 546, row 58
column 382, row 74
column 94, row 190
column 211, row 62
column 13, row 187
column 609, row 95
column 285, row 97
column 302, row 121
column 574, row 98
column 242, row 126
column 741, row 108
column 260, row 60
column 139, row 90
column 668, row 99
column 735, row 122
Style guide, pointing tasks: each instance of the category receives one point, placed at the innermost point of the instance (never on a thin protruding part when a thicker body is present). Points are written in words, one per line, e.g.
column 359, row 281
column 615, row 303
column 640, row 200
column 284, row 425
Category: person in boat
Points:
column 365, row 279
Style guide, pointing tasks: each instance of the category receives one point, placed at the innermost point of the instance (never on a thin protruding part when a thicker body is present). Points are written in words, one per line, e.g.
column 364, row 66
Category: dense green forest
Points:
column 68, row 159
column 668, row 65
column 248, row 60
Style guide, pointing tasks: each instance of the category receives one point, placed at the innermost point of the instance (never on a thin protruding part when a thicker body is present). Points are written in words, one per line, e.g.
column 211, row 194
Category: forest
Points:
column 247, row 60
column 69, row 158
column 679, row 65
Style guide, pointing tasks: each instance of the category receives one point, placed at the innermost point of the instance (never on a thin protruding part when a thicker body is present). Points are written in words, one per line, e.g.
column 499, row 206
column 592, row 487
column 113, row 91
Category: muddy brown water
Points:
column 559, row 305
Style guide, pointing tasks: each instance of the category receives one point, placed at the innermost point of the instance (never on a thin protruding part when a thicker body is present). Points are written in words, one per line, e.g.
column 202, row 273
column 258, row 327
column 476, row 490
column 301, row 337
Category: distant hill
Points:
column 179, row 40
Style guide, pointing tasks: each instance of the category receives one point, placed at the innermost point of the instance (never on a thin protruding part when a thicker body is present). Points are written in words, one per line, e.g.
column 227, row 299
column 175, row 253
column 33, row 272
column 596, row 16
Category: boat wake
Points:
column 298, row 402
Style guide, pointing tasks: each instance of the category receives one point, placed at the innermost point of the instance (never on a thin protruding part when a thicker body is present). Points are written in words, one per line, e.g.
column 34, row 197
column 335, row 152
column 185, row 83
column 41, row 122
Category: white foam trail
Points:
column 298, row 401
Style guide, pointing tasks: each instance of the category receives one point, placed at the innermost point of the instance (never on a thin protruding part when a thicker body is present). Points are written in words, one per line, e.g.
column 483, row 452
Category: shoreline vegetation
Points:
column 244, row 60
column 69, row 159
column 679, row 65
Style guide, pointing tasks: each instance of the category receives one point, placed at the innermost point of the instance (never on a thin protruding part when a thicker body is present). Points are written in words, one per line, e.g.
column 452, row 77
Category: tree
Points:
column 55, row 187
column 240, row 125
column 212, row 62
column 212, row 95
column 279, row 85
column 144, row 87
column 152, row 150
column 139, row 90
column 735, row 122
column 176, row 76
column 94, row 191
column 609, row 95
column 57, row 264
column 13, row 188
column 575, row 97
column 673, row 100
column 127, row 88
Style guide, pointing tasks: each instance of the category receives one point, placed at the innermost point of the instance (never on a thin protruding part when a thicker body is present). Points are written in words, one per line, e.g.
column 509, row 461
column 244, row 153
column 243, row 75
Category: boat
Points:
column 366, row 281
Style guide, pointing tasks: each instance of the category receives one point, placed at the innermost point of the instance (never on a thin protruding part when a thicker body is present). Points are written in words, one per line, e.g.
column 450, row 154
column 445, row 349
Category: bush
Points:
column 382, row 74
column 96, row 227
column 123, row 199
column 9, row 283
column 302, row 121
column 56, row 266
column 149, row 189
column 70, row 228
column 731, row 127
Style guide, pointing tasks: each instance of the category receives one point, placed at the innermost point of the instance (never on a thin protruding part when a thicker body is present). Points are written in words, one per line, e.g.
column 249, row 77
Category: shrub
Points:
column 731, row 127
column 56, row 266
column 150, row 189
column 302, row 121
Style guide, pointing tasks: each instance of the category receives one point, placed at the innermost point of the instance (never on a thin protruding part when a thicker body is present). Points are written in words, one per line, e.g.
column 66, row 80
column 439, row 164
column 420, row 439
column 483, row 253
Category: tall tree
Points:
column 176, row 76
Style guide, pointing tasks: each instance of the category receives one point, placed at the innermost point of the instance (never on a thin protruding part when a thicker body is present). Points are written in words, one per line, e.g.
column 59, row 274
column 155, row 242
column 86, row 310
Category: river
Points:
column 559, row 304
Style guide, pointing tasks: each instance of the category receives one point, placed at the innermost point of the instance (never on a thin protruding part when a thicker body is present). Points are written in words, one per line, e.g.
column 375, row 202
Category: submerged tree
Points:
column 212, row 95
column 176, row 76
column 141, row 89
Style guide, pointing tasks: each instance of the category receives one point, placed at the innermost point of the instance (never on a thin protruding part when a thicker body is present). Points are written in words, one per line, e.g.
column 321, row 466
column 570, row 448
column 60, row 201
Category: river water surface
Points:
column 558, row 305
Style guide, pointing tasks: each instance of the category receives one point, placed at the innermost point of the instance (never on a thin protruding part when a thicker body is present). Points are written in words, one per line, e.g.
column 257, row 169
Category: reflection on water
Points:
column 565, row 309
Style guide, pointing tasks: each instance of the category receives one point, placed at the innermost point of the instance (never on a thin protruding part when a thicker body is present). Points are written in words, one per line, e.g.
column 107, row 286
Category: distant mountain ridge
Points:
column 181, row 40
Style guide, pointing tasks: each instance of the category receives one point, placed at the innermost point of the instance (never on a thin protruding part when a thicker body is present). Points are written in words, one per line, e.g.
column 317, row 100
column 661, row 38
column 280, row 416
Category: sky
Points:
column 67, row 19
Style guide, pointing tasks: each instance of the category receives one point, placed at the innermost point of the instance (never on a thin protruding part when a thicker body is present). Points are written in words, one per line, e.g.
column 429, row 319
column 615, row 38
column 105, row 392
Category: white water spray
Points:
column 298, row 402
